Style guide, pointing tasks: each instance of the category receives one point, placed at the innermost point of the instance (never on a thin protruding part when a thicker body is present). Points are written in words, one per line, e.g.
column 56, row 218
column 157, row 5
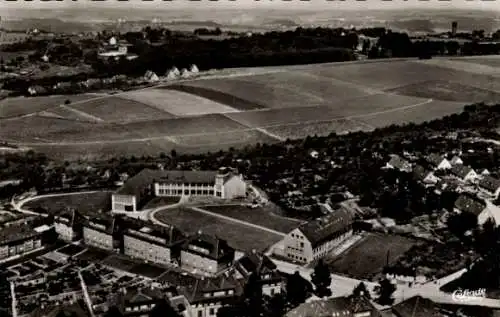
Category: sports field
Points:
column 244, row 106
column 239, row 236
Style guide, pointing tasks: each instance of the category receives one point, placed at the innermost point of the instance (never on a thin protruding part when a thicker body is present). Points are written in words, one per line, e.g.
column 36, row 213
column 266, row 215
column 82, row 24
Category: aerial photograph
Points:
column 249, row 158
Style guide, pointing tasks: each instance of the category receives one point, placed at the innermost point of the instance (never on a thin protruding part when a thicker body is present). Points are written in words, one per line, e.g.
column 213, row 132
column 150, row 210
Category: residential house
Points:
column 139, row 302
column 424, row 175
column 271, row 280
column 68, row 225
column 206, row 254
column 437, row 161
column 416, row 306
column 102, row 232
column 340, row 306
column 447, row 185
column 153, row 243
column 464, row 173
column 75, row 309
column 207, row 295
column 485, row 172
column 490, row 186
column 456, row 160
column 396, row 162
column 18, row 240
column 473, row 205
column 225, row 183
column 313, row 240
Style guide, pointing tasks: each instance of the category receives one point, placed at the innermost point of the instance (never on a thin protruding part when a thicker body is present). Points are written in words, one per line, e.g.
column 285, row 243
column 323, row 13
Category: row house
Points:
column 206, row 254
column 153, row 243
column 271, row 280
column 102, row 232
column 19, row 240
column 207, row 295
column 68, row 225
column 313, row 240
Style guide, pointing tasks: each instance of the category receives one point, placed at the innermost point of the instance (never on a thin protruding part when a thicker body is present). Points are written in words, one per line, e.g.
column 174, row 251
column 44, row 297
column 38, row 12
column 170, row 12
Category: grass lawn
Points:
column 367, row 258
column 239, row 236
column 260, row 216
column 84, row 203
column 161, row 201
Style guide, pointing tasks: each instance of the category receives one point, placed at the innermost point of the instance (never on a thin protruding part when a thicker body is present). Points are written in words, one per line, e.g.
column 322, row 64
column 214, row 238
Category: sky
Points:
column 489, row 5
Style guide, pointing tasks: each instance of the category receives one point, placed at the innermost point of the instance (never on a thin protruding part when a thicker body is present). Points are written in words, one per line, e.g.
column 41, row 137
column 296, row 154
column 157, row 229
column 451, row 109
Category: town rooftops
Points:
column 434, row 159
column 255, row 262
column 209, row 246
column 321, row 229
column 420, row 172
column 69, row 310
column 461, row 170
column 136, row 295
column 470, row 204
column 211, row 289
column 397, row 162
column 156, row 234
column 12, row 234
column 416, row 307
column 339, row 306
column 489, row 183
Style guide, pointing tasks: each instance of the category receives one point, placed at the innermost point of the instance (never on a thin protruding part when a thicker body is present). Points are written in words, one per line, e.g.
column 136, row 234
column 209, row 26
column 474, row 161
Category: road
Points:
column 18, row 205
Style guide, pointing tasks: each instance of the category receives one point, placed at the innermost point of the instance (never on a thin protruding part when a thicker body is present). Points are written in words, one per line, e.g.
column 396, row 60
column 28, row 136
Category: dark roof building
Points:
column 461, row 171
column 489, row 183
column 322, row 229
column 420, row 173
column 470, row 204
column 435, row 159
column 416, row 306
column 156, row 234
column 77, row 309
column 398, row 163
column 339, row 306
column 223, row 289
column 209, row 246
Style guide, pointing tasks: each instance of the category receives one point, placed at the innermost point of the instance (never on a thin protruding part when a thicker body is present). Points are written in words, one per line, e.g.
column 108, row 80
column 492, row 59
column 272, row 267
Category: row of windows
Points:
column 297, row 236
column 186, row 192
column 185, row 185
column 296, row 257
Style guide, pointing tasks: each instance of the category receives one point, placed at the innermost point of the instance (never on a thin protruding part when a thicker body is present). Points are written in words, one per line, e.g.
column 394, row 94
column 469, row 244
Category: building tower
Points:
column 454, row 26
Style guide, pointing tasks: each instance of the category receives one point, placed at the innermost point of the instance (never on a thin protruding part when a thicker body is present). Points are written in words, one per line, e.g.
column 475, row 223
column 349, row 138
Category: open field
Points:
column 239, row 236
column 249, row 106
column 448, row 91
column 259, row 216
column 84, row 203
column 117, row 109
column 18, row 106
column 368, row 257
column 176, row 102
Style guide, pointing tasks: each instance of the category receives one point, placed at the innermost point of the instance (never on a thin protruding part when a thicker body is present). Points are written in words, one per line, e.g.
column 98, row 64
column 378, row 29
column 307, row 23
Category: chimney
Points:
column 254, row 251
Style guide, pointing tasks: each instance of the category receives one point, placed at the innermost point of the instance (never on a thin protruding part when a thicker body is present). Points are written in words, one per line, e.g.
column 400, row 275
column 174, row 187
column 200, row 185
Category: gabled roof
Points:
column 434, row 159
column 489, row 183
column 470, row 204
column 70, row 310
column 461, row 170
column 397, row 162
column 420, row 172
column 103, row 223
column 217, row 248
column 139, row 295
column 455, row 159
column 136, row 184
column 344, row 306
column 195, row 293
column 416, row 306
column 154, row 233
column 255, row 262
column 321, row 229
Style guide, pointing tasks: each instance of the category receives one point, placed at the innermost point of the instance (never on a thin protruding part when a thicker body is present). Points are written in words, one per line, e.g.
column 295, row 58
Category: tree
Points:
column 253, row 295
column 163, row 309
column 384, row 290
column 361, row 290
column 460, row 223
column 322, row 279
column 297, row 289
column 113, row 312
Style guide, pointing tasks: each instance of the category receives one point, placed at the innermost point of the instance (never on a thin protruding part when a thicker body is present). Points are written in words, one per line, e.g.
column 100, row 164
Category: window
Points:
column 186, row 192
column 200, row 313
column 219, row 194
column 302, row 244
column 211, row 312
column 272, row 291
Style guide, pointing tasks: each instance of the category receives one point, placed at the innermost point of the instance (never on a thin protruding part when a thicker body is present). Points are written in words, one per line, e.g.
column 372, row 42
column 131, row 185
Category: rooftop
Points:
column 209, row 246
column 434, row 159
column 489, row 183
column 416, row 307
column 461, row 170
column 321, row 229
column 16, row 233
column 343, row 306
column 470, row 204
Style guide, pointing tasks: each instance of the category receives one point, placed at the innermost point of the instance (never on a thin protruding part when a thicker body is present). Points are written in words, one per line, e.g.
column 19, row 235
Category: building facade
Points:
column 317, row 238
column 99, row 233
column 152, row 243
column 18, row 240
column 67, row 226
column 206, row 254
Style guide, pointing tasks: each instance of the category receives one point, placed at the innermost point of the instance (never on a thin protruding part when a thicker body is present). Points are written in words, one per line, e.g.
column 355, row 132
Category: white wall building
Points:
column 66, row 226
column 99, row 233
column 315, row 239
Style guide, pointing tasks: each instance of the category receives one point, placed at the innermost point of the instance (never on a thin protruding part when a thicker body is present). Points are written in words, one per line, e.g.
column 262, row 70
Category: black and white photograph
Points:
column 250, row 158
